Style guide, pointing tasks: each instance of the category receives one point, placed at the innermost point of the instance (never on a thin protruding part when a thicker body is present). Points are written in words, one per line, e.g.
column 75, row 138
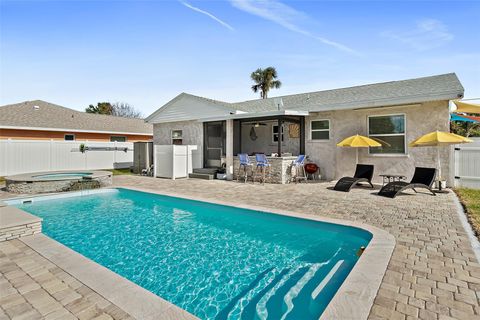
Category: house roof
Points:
column 42, row 115
column 433, row 88
column 403, row 92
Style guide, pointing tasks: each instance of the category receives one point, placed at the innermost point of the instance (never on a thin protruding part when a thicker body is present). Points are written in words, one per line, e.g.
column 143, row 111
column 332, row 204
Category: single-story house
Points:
column 40, row 120
column 313, row 123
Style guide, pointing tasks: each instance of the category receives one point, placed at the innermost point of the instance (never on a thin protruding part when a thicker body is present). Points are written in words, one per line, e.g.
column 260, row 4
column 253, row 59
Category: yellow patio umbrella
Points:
column 358, row 141
column 467, row 107
column 438, row 139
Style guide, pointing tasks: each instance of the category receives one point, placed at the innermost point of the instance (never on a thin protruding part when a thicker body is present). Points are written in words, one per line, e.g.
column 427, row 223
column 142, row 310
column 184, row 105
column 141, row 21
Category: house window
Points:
column 69, row 137
column 389, row 130
column 118, row 139
column 320, row 130
column 275, row 133
column 177, row 137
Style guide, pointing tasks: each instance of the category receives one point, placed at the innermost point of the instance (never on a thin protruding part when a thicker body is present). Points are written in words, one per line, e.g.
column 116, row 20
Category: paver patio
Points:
column 433, row 272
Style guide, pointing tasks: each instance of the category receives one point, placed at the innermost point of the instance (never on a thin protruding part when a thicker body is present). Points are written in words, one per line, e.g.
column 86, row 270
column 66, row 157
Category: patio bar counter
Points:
column 279, row 170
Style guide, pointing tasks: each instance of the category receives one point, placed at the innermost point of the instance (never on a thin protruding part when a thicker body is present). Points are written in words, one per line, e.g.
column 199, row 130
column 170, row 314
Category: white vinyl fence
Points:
column 21, row 156
column 467, row 164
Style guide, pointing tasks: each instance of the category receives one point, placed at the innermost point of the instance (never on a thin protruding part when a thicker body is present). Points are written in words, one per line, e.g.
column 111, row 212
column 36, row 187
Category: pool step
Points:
column 288, row 294
column 212, row 171
column 204, row 176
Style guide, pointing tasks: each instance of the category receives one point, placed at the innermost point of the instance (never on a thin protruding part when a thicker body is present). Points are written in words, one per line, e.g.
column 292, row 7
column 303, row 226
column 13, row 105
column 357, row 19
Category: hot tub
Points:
column 57, row 181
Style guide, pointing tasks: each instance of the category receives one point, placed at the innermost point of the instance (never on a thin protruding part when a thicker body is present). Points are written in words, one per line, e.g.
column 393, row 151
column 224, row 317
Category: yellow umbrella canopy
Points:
column 438, row 139
column 358, row 141
column 467, row 107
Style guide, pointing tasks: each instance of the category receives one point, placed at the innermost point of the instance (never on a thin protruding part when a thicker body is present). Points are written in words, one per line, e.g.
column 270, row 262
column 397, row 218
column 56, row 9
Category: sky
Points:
column 76, row 53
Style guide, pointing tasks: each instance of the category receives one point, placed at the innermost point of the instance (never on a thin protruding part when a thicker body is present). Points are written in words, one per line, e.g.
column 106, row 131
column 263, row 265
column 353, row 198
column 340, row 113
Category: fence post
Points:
column 114, row 154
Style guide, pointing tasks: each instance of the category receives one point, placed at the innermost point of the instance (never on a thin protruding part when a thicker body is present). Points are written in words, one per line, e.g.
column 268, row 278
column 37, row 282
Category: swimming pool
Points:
column 214, row 261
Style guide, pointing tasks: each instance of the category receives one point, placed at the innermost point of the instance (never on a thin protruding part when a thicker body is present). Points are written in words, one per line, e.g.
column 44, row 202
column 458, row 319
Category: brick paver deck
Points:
column 433, row 272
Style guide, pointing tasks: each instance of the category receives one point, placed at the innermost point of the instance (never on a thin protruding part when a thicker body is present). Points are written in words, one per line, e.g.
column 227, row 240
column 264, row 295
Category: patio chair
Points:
column 263, row 167
column 422, row 178
column 246, row 164
column 299, row 168
column 363, row 173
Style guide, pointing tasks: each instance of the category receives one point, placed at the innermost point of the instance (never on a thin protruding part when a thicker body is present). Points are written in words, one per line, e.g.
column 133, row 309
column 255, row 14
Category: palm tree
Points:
column 265, row 80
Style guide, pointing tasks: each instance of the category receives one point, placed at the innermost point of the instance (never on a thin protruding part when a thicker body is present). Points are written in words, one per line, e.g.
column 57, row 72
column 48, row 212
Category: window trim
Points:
column 172, row 138
column 69, row 134
column 329, row 129
column 125, row 137
column 389, row 134
column 273, row 134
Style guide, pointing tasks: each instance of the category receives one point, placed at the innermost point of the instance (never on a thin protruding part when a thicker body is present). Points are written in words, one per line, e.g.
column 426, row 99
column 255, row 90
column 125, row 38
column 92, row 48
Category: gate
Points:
column 467, row 165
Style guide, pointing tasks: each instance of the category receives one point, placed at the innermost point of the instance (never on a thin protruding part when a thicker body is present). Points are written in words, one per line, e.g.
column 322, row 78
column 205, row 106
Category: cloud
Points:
column 427, row 34
column 208, row 14
column 284, row 16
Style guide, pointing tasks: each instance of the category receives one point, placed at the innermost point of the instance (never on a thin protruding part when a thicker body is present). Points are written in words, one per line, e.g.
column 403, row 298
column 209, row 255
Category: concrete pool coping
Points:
column 353, row 300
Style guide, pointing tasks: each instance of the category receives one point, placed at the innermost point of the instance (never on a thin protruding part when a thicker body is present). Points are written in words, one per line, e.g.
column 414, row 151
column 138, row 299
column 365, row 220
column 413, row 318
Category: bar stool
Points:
column 246, row 164
column 299, row 168
column 263, row 167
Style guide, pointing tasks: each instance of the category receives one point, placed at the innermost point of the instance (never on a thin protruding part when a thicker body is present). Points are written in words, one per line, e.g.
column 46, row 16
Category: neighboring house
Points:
column 313, row 123
column 40, row 120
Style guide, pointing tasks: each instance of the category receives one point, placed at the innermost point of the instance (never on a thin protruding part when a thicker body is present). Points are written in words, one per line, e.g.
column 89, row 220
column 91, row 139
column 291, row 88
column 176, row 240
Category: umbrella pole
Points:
column 439, row 169
column 356, row 156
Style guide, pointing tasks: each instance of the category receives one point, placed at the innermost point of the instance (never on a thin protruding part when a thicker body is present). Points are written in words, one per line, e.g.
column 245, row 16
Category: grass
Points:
column 2, row 179
column 120, row 172
column 471, row 200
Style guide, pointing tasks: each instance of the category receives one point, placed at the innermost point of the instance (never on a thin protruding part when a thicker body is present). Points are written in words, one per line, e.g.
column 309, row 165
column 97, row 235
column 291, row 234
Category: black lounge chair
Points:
column 422, row 178
column 363, row 173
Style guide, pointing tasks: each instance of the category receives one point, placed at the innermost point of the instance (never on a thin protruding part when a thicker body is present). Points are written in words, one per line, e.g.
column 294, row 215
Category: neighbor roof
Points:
column 433, row 88
column 39, row 114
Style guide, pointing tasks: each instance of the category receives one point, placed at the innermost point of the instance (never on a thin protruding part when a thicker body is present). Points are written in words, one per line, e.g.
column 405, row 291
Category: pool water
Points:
column 53, row 176
column 217, row 262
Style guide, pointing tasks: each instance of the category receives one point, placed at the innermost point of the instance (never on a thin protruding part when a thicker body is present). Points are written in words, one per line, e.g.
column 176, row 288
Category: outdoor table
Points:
column 391, row 178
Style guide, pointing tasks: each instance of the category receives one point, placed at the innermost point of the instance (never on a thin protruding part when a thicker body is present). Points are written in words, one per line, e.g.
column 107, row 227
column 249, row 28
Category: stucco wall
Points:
column 264, row 142
column 336, row 162
column 192, row 133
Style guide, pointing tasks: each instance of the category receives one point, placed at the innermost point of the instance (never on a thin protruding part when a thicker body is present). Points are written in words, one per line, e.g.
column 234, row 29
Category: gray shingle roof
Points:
column 439, row 87
column 50, row 115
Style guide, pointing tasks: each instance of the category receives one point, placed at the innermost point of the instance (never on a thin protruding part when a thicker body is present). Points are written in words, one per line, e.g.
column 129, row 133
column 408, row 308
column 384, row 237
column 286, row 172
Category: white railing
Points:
column 467, row 165
column 21, row 156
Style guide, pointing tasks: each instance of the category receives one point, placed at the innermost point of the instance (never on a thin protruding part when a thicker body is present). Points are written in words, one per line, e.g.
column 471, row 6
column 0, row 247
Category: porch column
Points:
column 229, row 149
column 302, row 135
column 279, row 144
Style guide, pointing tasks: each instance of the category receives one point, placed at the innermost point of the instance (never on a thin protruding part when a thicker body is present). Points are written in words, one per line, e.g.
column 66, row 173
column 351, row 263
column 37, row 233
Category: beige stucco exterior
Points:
column 335, row 162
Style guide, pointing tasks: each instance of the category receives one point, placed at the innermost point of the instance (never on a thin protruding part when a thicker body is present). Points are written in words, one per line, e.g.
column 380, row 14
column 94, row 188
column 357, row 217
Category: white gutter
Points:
column 74, row 130
column 247, row 115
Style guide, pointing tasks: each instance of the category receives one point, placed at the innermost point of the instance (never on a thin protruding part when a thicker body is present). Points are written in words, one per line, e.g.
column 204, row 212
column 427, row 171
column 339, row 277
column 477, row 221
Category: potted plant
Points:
column 83, row 148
